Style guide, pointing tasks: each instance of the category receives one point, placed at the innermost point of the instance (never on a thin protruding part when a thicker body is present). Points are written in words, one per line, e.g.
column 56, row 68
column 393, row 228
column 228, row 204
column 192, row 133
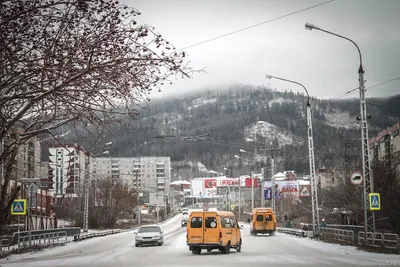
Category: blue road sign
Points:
column 374, row 201
column 18, row 207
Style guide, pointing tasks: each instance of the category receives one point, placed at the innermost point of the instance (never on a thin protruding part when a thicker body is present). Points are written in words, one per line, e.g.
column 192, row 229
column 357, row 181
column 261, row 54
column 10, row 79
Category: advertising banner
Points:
column 283, row 189
column 210, row 183
column 208, row 193
column 228, row 182
column 249, row 183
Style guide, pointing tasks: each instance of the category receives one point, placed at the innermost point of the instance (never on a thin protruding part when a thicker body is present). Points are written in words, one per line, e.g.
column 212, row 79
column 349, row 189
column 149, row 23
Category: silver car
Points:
column 149, row 235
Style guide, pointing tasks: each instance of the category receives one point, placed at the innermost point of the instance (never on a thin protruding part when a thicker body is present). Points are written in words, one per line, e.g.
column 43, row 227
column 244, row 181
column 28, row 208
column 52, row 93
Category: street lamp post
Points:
column 314, row 185
column 368, row 182
column 138, row 205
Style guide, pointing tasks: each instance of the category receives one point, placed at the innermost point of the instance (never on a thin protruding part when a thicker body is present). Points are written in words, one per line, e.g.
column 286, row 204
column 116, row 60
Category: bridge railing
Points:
column 379, row 242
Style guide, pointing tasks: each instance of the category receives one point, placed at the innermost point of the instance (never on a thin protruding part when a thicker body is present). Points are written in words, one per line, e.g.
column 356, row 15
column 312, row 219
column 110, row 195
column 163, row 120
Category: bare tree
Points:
column 74, row 61
column 112, row 199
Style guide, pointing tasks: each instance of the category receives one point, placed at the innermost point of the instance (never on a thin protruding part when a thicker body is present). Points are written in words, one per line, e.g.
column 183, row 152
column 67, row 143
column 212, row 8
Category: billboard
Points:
column 210, row 183
column 249, row 183
column 283, row 189
column 228, row 182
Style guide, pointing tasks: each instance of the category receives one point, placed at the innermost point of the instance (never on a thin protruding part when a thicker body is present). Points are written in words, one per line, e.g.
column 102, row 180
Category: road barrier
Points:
column 335, row 235
column 383, row 242
column 294, row 231
column 43, row 239
column 378, row 242
column 96, row 234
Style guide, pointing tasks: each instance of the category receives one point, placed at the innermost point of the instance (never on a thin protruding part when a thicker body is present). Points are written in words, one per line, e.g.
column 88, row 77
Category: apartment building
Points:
column 27, row 161
column 385, row 147
column 148, row 174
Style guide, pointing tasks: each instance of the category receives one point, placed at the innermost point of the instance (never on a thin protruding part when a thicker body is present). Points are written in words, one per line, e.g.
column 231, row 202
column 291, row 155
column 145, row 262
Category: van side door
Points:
column 195, row 232
column 235, row 230
column 211, row 229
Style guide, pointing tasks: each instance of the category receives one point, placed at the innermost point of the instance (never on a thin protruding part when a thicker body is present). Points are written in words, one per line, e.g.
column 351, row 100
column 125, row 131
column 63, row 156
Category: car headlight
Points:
column 138, row 237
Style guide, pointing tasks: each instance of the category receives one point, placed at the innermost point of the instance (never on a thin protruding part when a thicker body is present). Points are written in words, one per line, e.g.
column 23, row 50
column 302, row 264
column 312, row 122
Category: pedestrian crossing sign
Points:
column 374, row 201
column 18, row 207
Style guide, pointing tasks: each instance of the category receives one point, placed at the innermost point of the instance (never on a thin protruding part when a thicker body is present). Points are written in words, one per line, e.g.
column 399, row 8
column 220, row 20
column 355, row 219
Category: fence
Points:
column 43, row 239
column 335, row 235
column 293, row 231
column 381, row 242
column 95, row 234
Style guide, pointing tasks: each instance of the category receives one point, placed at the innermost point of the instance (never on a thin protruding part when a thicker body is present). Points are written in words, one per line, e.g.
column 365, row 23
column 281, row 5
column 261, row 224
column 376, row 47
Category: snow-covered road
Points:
column 279, row 250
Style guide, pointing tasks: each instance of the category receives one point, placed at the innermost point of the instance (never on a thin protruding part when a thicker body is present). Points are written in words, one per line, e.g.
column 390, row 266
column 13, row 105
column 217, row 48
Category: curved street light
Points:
column 368, row 182
column 314, row 186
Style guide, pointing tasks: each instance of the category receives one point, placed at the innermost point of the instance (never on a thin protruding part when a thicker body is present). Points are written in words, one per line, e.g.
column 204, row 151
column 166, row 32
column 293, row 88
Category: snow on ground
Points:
column 337, row 249
column 268, row 131
column 202, row 101
column 167, row 226
column 279, row 100
column 341, row 120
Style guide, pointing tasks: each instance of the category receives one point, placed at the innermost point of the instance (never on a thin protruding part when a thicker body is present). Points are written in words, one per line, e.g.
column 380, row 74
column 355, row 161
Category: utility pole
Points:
column 314, row 183
column 262, row 204
column 31, row 189
column 240, row 197
column 368, row 182
column 229, row 197
column 86, row 199
column 273, row 183
column 138, row 209
column 252, row 191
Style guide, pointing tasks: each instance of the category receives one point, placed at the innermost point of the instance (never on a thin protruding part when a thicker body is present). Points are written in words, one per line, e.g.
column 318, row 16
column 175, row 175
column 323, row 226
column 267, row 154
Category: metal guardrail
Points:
column 337, row 235
column 96, row 234
column 71, row 231
column 376, row 241
column 383, row 241
column 294, row 231
column 44, row 239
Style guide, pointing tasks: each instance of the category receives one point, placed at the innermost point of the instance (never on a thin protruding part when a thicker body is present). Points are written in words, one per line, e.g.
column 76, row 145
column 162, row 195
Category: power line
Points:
column 373, row 86
column 256, row 25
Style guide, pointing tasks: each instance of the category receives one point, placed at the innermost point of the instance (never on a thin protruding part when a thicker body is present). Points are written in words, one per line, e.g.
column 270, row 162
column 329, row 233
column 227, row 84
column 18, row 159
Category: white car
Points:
column 149, row 235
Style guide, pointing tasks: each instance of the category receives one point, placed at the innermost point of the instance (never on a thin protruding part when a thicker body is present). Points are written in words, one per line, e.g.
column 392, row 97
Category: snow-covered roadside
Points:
column 168, row 226
column 337, row 249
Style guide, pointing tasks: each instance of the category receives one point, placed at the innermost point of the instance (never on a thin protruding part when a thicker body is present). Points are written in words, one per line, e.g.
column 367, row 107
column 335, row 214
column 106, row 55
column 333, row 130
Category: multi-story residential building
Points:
column 385, row 147
column 68, row 166
column 148, row 174
column 27, row 164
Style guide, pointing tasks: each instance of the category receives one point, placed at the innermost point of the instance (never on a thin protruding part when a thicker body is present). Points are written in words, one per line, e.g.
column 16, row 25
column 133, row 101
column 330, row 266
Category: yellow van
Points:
column 263, row 221
column 213, row 230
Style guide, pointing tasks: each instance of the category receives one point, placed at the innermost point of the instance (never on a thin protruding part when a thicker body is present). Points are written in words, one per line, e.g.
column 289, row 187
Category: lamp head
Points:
column 310, row 27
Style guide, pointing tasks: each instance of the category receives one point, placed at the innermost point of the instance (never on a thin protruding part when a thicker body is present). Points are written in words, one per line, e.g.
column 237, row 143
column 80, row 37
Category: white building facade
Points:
column 147, row 174
column 68, row 167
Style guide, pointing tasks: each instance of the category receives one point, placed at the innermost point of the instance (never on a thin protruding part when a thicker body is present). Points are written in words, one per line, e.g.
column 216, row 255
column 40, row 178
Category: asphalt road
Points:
column 279, row 250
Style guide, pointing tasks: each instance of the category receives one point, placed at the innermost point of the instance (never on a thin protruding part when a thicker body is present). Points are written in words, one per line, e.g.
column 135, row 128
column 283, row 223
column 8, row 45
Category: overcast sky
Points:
column 325, row 64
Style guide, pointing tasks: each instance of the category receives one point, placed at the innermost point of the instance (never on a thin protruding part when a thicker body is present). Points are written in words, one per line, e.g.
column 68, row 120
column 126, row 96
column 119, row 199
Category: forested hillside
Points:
column 235, row 116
